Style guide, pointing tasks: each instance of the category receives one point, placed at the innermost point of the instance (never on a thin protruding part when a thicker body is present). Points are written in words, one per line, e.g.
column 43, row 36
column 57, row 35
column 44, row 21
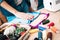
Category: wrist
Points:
column 15, row 13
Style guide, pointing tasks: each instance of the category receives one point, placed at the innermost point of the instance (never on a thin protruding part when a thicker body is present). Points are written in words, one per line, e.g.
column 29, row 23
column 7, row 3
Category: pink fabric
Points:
column 39, row 22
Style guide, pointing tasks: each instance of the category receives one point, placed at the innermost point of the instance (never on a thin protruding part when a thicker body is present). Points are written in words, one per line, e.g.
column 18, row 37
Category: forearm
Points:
column 8, row 7
column 15, row 12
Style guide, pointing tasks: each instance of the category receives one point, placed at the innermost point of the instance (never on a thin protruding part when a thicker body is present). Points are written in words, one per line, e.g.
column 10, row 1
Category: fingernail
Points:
column 30, row 18
column 33, row 17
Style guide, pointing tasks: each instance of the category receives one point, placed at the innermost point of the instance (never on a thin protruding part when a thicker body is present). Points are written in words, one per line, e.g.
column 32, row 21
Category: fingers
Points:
column 5, row 24
column 30, row 17
column 25, row 16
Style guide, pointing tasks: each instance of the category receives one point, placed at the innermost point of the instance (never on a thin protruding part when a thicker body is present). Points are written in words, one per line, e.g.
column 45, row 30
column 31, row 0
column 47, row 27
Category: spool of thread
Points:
column 33, row 31
column 44, row 26
column 40, row 35
column 51, row 24
column 49, row 36
column 41, row 28
column 45, row 22
column 53, row 29
column 32, row 25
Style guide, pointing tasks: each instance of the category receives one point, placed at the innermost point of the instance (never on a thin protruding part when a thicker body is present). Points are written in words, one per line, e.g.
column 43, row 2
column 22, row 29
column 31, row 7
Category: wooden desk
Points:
column 54, row 17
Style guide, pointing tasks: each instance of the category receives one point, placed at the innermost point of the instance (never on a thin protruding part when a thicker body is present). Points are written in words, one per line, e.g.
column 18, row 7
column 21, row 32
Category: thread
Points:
column 33, row 31
column 41, row 28
column 51, row 24
column 49, row 36
column 53, row 29
column 40, row 35
column 45, row 22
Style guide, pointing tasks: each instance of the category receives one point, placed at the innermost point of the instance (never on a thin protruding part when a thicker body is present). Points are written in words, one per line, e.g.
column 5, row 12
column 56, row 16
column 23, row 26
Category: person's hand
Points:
column 5, row 24
column 24, row 16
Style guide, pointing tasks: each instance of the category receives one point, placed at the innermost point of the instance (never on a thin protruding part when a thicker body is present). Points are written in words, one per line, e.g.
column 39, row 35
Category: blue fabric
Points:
column 10, row 18
column 22, row 21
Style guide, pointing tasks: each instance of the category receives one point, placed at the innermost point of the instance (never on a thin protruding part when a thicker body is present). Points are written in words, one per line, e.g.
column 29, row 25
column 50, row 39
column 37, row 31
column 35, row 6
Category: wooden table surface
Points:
column 54, row 17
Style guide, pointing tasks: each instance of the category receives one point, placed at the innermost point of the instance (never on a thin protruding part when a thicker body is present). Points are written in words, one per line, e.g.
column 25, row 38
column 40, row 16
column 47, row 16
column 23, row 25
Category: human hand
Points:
column 5, row 24
column 24, row 16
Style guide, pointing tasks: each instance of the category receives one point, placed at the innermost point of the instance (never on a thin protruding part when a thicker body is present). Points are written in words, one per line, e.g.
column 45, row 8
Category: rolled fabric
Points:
column 49, row 36
column 54, row 29
column 39, row 20
column 45, row 22
column 41, row 28
column 40, row 35
column 51, row 24
column 33, row 31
